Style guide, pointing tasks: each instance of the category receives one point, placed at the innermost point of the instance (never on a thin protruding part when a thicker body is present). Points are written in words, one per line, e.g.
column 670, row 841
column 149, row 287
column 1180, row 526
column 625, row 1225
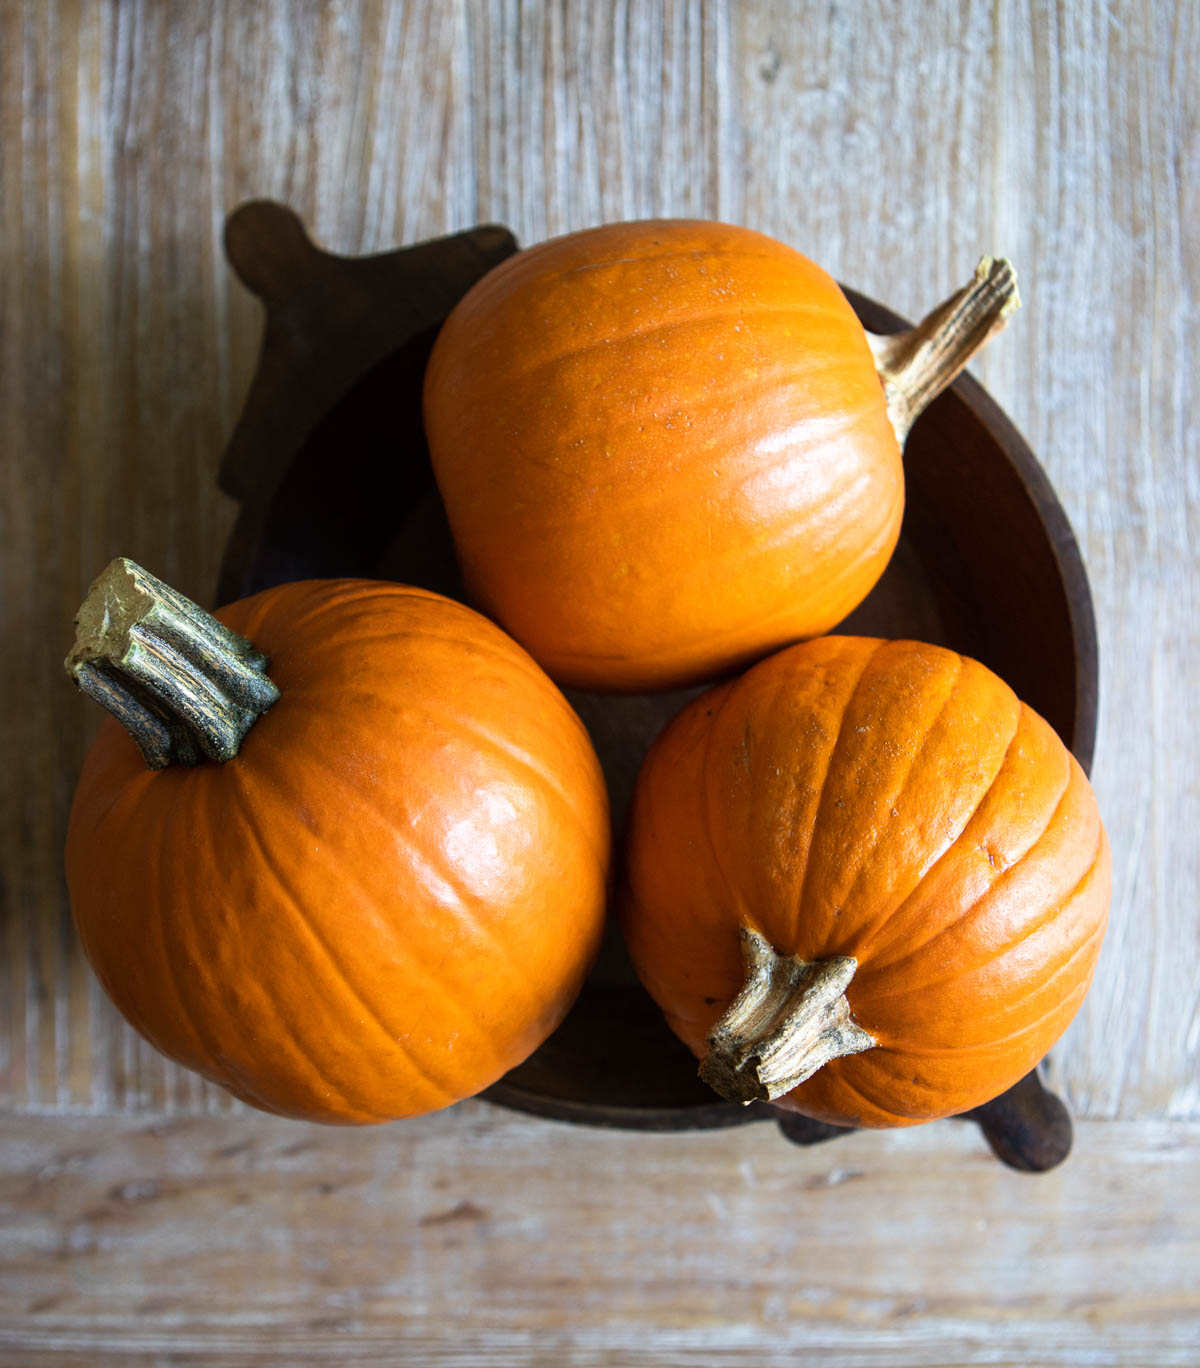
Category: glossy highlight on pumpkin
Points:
column 392, row 893
column 664, row 450
column 895, row 803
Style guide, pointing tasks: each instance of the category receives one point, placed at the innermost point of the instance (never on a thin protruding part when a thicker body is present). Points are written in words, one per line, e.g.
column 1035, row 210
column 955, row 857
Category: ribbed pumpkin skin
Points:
column 890, row 801
column 664, row 451
column 388, row 898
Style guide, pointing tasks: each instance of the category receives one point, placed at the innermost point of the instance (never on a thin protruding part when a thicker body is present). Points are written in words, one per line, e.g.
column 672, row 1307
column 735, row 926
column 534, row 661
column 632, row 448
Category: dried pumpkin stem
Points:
column 915, row 366
column 790, row 1018
column 183, row 685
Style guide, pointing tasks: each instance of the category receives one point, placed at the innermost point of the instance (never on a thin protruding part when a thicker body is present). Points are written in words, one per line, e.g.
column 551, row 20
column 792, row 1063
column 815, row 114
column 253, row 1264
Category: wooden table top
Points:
column 146, row 1218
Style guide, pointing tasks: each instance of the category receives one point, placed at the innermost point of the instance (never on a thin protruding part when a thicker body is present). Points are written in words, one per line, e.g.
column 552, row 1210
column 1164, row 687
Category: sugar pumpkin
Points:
column 365, row 900
column 865, row 882
column 666, row 448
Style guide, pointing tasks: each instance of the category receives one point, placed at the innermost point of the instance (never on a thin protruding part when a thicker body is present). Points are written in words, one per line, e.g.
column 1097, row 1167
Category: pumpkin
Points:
column 363, row 901
column 865, row 882
column 668, row 448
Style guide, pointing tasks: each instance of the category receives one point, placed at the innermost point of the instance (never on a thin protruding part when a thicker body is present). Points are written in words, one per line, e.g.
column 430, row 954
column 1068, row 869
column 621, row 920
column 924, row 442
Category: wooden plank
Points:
column 892, row 151
column 478, row 1235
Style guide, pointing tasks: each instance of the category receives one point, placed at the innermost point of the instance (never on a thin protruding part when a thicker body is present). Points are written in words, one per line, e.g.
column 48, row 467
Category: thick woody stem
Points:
column 790, row 1018
column 184, row 686
column 916, row 366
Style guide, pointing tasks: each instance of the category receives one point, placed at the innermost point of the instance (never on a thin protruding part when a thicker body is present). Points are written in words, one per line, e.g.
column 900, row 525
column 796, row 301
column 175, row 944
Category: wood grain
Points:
column 892, row 143
column 459, row 1240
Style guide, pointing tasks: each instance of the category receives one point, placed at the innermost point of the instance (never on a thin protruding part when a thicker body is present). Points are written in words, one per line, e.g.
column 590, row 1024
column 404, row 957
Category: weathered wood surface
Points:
column 893, row 144
column 458, row 1240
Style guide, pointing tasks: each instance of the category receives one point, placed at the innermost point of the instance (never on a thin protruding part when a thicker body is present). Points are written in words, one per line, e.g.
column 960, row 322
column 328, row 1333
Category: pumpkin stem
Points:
column 790, row 1018
column 915, row 366
column 184, row 686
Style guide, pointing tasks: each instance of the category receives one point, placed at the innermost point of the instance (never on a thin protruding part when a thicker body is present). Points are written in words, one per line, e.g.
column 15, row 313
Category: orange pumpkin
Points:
column 389, row 895
column 865, row 881
column 667, row 448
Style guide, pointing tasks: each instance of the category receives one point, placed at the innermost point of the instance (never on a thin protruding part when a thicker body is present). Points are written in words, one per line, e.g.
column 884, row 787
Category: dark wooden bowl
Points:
column 329, row 464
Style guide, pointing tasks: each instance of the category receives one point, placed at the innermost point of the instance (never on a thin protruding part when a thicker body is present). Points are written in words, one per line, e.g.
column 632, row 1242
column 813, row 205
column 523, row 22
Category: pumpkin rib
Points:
column 227, row 1074
column 443, row 1095
column 867, row 1075
column 512, row 755
column 482, row 932
column 838, row 739
column 975, row 910
column 888, row 965
column 863, row 944
column 480, row 646
column 713, row 783
column 662, row 493
column 257, row 610
column 531, row 670
column 783, row 683
column 351, row 594
column 825, row 506
column 913, row 760
column 528, row 268
column 702, row 1024
column 462, row 900
column 841, row 1068
column 216, row 1066
column 453, row 887
column 508, row 654
column 1073, row 950
column 1062, row 1005
column 473, row 728
column 866, row 1068
column 745, row 655
column 157, row 845
column 888, row 913
column 649, row 495
column 641, row 334
column 415, row 966
column 735, row 899
column 271, row 864
column 644, row 499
